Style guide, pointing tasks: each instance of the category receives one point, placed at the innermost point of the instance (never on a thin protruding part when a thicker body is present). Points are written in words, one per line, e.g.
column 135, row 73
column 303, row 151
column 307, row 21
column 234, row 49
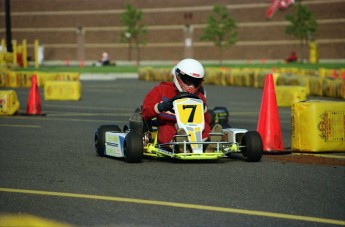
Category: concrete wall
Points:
column 55, row 22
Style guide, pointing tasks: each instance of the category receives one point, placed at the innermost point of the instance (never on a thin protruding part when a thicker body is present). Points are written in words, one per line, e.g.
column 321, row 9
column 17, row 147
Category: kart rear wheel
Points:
column 253, row 147
column 133, row 147
column 100, row 137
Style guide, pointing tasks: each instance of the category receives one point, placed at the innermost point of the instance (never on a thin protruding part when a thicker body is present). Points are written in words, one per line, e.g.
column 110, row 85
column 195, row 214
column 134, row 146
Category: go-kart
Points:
column 139, row 139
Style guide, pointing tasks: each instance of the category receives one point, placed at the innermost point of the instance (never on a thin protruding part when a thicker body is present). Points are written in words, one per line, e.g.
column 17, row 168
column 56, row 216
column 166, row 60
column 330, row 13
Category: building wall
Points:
column 55, row 23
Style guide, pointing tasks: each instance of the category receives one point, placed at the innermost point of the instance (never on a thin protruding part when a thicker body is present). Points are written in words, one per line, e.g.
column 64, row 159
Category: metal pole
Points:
column 8, row 26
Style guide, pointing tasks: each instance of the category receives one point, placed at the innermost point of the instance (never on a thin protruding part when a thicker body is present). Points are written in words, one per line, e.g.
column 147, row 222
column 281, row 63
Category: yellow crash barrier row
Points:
column 62, row 90
column 318, row 126
column 9, row 103
column 2, row 78
column 288, row 95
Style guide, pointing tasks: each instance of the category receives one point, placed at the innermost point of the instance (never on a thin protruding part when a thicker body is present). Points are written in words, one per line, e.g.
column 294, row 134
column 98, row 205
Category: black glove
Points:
column 165, row 106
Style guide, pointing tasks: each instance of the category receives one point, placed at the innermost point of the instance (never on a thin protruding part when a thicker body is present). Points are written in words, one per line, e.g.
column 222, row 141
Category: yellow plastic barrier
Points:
column 246, row 79
column 288, row 95
column 68, row 76
column 141, row 73
column 25, row 78
column 220, row 77
column 318, row 126
column 9, row 103
column 228, row 77
column 62, row 90
column 254, row 77
column 262, row 79
column 291, row 71
column 13, row 79
column 43, row 77
column 315, row 86
column 323, row 72
column 210, row 75
column 166, row 74
column 328, row 87
column 339, row 87
column 3, row 82
column 237, row 78
column 148, row 73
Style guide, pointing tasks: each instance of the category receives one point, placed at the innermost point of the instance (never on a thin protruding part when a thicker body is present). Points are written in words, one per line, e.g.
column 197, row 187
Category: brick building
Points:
column 85, row 28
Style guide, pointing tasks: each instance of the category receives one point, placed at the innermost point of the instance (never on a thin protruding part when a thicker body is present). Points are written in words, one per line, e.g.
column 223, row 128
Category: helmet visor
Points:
column 188, row 80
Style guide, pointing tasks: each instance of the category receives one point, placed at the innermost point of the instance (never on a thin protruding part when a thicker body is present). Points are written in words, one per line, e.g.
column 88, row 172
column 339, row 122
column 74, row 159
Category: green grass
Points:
column 133, row 69
column 86, row 69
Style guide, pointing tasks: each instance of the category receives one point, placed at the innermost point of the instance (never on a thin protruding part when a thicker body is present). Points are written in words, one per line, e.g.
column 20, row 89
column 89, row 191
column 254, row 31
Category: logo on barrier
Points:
column 330, row 130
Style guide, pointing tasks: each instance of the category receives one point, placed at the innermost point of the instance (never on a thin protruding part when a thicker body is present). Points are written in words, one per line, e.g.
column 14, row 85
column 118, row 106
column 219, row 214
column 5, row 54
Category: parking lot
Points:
column 49, row 169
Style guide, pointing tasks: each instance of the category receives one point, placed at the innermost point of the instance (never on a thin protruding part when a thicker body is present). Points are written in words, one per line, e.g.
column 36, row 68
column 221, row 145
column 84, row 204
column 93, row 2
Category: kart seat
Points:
column 138, row 124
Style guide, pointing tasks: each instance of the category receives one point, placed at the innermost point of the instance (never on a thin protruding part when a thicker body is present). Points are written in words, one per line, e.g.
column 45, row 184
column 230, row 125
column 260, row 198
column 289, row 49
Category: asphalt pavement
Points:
column 49, row 170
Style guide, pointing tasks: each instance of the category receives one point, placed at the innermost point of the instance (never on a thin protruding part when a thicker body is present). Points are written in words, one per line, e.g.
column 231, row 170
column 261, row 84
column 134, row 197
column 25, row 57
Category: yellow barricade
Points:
column 253, row 77
column 12, row 79
column 228, row 77
column 43, row 77
column 62, row 90
column 209, row 76
column 9, row 103
column 318, row 126
column 149, row 74
column 328, row 88
column 3, row 82
column 323, row 72
column 246, row 79
column 166, row 74
column 220, row 77
column 288, row 95
column 68, row 76
column 261, row 79
column 291, row 71
column 237, row 77
column 141, row 73
column 339, row 87
column 281, row 80
column 25, row 78
column 315, row 86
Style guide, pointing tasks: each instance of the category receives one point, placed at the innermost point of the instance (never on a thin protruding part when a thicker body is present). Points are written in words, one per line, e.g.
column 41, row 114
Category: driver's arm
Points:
column 150, row 101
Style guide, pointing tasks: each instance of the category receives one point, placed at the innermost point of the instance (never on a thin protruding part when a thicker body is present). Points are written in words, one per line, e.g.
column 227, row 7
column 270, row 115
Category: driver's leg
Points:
column 217, row 128
column 181, row 137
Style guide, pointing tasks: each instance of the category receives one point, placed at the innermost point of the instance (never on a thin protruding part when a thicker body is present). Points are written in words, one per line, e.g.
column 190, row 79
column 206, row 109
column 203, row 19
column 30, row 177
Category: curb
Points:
column 108, row 76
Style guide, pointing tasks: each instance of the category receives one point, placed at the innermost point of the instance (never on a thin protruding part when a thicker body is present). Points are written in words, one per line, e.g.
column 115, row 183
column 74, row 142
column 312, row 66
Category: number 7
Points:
column 192, row 113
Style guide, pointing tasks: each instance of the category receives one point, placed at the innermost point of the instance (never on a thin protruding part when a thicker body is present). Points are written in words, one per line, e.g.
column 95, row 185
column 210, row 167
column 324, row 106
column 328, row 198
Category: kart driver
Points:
column 188, row 77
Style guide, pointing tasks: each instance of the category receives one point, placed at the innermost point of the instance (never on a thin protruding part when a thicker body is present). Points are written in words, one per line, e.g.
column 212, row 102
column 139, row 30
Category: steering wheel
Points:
column 182, row 95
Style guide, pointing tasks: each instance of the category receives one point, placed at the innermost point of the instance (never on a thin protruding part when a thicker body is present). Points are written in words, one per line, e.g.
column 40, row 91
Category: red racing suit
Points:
column 167, row 120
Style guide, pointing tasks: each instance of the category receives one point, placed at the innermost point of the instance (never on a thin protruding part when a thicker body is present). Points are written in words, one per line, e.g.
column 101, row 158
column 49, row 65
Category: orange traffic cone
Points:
column 34, row 100
column 269, row 124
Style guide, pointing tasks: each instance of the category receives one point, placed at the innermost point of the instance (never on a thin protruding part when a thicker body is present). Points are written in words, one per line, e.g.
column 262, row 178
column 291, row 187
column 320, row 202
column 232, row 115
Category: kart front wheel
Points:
column 253, row 147
column 133, row 147
column 100, row 137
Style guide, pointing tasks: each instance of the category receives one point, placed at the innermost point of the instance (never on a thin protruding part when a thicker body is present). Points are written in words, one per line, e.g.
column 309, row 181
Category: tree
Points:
column 221, row 29
column 134, row 32
column 302, row 25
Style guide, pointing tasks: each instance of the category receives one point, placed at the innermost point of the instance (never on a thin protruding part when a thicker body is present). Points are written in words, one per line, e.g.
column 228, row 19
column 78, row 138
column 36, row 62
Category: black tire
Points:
column 100, row 137
column 133, row 147
column 253, row 148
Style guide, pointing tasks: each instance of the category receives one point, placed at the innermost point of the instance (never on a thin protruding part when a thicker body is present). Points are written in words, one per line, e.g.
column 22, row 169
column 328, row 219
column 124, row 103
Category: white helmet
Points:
column 188, row 75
